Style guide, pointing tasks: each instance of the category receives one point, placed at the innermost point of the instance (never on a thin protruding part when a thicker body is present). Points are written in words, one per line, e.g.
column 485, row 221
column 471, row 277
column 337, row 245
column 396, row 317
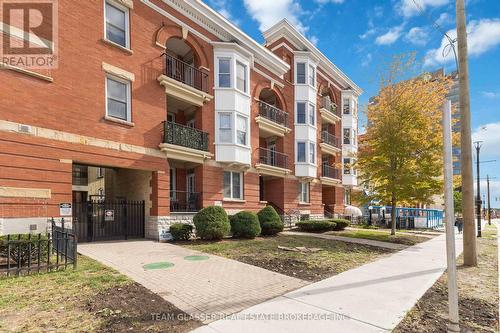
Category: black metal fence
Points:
column 184, row 201
column 272, row 113
column 24, row 254
column 185, row 73
column 273, row 158
column 185, row 136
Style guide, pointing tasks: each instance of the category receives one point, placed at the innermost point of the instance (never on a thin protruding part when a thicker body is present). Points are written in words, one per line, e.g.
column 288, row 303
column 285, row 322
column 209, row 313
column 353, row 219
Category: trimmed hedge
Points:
column 316, row 226
column 340, row 224
column 181, row 231
column 270, row 221
column 245, row 225
column 211, row 223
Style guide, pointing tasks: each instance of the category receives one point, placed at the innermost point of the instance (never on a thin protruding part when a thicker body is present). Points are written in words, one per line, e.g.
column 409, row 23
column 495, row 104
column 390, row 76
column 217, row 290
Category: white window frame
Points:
column 220, row 129
column 312, row 153
column 238, row 116
column 124, row 9
column 312, row 114
column 297, row 152
column 304, row 193
column 230, row 71
column 297, row 112
column 129, row 99
column 297, row 72
column 311, row 75
column 245, row 77
column 232, row 196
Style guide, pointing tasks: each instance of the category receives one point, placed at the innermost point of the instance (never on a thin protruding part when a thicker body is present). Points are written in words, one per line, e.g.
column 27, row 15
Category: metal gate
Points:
column 107, row 220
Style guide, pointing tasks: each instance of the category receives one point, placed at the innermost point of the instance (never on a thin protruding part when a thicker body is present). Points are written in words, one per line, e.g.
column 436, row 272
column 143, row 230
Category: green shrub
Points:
column 245, row 225
column 316, row 226
column 270, row 221
column 211, row 223
column 21, row 248
column 181, row 231
column 340, row 224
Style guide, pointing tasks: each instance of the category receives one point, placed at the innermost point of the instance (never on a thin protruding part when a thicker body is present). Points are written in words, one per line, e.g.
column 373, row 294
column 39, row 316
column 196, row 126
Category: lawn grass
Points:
column 379, row 235
column 334, row 257
column 477, row 291
column 88, row 299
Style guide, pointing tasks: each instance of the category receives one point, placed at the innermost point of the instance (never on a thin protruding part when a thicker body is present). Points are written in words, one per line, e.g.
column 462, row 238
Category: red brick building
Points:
column 166, row 102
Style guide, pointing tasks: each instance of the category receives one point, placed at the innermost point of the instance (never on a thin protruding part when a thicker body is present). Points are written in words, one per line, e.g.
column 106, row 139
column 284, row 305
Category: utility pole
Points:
column 488, row 196
column 478, row 144
column 451, row 257
column 470, row 251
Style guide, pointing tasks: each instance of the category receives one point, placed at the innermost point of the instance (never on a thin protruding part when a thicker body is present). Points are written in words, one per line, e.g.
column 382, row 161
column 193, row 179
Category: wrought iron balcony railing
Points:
column 327, row 104
column 185, row 136
column 330, row 172
column 330, row 139
column 272, row 113
column 273, row 158
column 185, row 73
column 183, row 201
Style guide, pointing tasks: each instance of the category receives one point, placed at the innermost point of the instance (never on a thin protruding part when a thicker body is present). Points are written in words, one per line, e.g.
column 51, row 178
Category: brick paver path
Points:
column 210, row 288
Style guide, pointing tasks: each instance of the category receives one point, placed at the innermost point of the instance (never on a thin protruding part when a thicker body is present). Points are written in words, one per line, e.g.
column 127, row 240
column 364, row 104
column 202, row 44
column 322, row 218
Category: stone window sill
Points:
column 119, row 121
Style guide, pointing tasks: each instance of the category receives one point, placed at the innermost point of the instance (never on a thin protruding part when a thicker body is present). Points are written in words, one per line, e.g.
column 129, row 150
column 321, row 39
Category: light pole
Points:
column 489, row 201
column 478, row 145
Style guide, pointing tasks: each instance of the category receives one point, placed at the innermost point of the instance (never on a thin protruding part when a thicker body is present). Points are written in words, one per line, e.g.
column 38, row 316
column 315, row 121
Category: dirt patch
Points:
column 133, row 308
column 478, row 296
column 299, row 268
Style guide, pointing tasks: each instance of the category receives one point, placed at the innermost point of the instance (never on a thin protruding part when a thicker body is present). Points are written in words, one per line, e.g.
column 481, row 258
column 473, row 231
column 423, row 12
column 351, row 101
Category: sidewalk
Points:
column 373, row 297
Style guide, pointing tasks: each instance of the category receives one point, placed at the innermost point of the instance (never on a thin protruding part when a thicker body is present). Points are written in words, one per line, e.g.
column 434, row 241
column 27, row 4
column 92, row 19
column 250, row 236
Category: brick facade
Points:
column 69, row 124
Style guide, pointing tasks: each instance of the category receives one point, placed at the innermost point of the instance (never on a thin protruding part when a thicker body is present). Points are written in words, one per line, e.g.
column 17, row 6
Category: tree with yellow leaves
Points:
column 400, row 157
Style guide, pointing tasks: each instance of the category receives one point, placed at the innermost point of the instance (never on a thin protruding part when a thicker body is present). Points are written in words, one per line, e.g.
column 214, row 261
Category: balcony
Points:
column 185, row 202
column 330, row 175
column 330, row 144
column 272, row 163
column 272, row 121
column 185, row 143
column 329, row 111
column 185, row 82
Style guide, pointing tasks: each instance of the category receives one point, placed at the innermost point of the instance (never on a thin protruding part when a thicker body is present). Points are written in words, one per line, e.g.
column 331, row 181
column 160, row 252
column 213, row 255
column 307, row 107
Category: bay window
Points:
column 312, row 76
column 233, row 185
column 241, row 130
column 312, row 115
column 312, row 153
column 347, row 136
column 301, row 113
column 301, row 151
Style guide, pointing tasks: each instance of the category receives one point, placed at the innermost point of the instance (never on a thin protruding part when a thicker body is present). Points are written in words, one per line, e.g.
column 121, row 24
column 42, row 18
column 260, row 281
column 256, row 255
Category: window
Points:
column 173, row 184
column 353, row 137
column 312, row 76
column 117, row 24
column 347, row 107
column 301, row 73
column 118, row 98
column 233, row 185
column 304, row 192
column 347, row 166
column 312, row 151
column 301, row 113
column 225, row 133
column 224, row 73
column 301, row 151
column 347, row 136
column 241, row 77
column 312, row 114
column 241, row 130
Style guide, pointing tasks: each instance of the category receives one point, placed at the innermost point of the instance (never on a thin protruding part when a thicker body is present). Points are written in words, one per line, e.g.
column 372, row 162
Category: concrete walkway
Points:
column 371, row 298
column 370, row 242
column 209, row 289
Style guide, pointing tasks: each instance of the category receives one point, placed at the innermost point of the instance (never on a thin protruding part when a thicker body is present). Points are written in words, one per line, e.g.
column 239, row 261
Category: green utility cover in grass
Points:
column 158, row 265
column 196, row 258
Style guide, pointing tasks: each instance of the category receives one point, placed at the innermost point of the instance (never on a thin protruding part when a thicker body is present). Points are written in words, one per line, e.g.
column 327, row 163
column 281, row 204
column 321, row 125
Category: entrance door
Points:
column 191, row 191
column 272, row 153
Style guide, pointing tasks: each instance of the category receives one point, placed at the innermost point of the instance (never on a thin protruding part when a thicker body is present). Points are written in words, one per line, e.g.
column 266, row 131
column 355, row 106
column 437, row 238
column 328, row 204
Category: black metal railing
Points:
column 330, row 172
column 184, row 201
column 327, row 104
column 273, row 158
column 36, row 253
column 185, row 73
column 330, row 139
column 272, row 113
column 185, row 136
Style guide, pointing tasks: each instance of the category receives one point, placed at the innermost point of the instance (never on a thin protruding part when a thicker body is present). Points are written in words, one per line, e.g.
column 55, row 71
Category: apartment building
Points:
column 158, row 108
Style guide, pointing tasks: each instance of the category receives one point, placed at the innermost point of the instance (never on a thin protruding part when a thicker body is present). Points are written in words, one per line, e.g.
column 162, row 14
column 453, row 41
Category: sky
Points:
column 361, row 36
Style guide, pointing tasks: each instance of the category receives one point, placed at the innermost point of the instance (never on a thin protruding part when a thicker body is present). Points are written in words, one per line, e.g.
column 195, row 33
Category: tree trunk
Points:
column 393, row 214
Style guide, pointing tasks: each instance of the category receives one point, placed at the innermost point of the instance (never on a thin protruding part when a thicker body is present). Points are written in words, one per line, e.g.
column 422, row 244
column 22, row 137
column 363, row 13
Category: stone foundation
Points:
column 156, row 224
